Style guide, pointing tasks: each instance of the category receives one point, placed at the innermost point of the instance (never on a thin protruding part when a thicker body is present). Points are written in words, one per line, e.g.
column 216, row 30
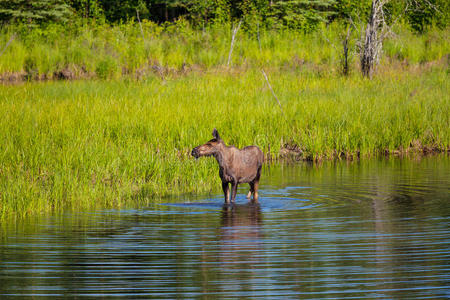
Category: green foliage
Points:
column 92, row 144
column 107, row 68
column 254, row 15
column 300, row 14
column 87, row 8
column 102, row 143
column 356, row 10
column 30, row 66
column 34, row 11
column 200, row 12
column 116, row 10
column 304, row 15
column 105, row 51
column 426, row 12
column 222, row 12
column 413, row 49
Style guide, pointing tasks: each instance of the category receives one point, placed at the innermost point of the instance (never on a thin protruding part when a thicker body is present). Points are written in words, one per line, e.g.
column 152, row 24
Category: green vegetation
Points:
column 303, row 15
column 152, row 91
column 69, row 39
column 88, row 144
column 111, row 52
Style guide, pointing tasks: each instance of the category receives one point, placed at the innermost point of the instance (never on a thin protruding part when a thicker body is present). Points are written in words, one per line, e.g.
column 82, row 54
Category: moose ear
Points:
column 215, row 134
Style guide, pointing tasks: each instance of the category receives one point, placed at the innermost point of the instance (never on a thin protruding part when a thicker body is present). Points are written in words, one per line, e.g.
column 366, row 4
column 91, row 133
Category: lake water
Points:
column 370, row 229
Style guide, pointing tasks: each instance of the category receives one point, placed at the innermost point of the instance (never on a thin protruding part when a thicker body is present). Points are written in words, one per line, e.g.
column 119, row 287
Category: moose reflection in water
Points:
column 235, row 165
column 241, row 228
column 240, row 239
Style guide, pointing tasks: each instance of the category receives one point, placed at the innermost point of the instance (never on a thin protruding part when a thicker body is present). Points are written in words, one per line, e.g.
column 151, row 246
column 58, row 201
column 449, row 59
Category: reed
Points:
column 129, row 50
column 114, row 143
column 124, row 136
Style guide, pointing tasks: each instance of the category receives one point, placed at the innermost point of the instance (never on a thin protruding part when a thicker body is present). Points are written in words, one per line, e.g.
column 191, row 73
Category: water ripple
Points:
column 347, row 232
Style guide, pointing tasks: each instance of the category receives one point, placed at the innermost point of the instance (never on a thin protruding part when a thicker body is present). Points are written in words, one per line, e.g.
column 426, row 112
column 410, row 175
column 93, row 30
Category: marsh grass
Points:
column 125, row 135
column 122, row 50
column 109, row 143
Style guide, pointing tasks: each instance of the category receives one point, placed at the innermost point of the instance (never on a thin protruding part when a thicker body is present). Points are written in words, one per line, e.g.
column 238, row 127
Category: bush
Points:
column 107, row 68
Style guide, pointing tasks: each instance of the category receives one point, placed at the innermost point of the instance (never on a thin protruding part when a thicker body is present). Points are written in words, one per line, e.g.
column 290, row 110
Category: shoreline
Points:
column 131, row 202
column 156, row 70
column 294, row 153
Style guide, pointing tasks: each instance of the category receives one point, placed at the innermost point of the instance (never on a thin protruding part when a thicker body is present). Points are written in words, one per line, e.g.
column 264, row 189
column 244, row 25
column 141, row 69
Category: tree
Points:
column 382, row 14
column 200, row 11
column 426, row 12
column 34, row 11
column 301, row 14
column 350, row 9
column 87, row 8
column 116, row 10
column 166, row 10
column 373, row 39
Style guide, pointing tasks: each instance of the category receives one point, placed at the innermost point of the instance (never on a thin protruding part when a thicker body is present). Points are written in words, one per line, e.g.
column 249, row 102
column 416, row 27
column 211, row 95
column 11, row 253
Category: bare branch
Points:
column 259, row 40
column 428, row 3
column 140, row 25
column 353, row 24
column 233, row 39
column 270, row 87
column 13, row 36
column 345, row 42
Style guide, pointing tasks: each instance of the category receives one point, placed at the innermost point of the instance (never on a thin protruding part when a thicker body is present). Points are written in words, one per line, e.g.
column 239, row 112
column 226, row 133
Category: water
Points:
column 373, row 229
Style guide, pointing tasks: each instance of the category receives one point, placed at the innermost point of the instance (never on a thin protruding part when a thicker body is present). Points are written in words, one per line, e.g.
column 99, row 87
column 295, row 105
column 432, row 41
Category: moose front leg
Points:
column 234, row 186
column 226, row 188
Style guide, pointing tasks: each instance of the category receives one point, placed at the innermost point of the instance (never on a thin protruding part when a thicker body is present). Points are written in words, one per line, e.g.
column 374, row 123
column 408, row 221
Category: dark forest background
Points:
column 295, row 14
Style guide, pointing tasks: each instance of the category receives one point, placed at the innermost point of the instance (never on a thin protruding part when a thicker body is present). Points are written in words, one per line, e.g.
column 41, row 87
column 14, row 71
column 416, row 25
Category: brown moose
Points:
column 235, row 165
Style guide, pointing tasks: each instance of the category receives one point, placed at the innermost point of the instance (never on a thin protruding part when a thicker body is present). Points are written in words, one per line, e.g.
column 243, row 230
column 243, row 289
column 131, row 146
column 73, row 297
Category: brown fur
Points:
column 235, row 165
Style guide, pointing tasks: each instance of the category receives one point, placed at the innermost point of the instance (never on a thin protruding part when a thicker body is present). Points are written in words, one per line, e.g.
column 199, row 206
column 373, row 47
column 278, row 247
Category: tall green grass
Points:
column 90, row 144
column 108, row 142
column 112, row 51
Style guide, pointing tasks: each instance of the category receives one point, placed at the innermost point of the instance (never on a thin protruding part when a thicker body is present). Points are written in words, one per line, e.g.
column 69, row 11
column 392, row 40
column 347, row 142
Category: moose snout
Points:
column 195, row 153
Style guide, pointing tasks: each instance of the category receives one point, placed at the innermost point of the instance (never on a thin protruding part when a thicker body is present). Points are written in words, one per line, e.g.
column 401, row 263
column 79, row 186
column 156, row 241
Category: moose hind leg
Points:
column 226, row 188
column 251, row 191
column 256, row 185
column 255, row 191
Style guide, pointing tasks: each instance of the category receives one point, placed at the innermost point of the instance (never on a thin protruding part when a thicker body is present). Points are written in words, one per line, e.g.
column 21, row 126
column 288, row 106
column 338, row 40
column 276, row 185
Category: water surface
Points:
column 372, row 229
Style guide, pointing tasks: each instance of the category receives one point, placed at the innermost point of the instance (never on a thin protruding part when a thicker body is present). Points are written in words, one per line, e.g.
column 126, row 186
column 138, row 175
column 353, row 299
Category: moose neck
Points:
column 219, row 156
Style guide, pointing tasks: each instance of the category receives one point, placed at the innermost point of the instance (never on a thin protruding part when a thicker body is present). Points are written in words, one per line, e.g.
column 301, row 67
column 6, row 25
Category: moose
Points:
column 235, row 165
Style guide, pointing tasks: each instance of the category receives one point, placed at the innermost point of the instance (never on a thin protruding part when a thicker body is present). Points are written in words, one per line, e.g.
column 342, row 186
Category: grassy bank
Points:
column 90, row 144
column 129, row 50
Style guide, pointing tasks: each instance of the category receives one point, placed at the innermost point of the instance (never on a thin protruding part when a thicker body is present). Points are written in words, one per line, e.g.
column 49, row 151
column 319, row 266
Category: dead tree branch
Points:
column 140, row 24
column 233, row 39
column 345, row 44
column 270, row 87
column 8, row 43
column 377, row 30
